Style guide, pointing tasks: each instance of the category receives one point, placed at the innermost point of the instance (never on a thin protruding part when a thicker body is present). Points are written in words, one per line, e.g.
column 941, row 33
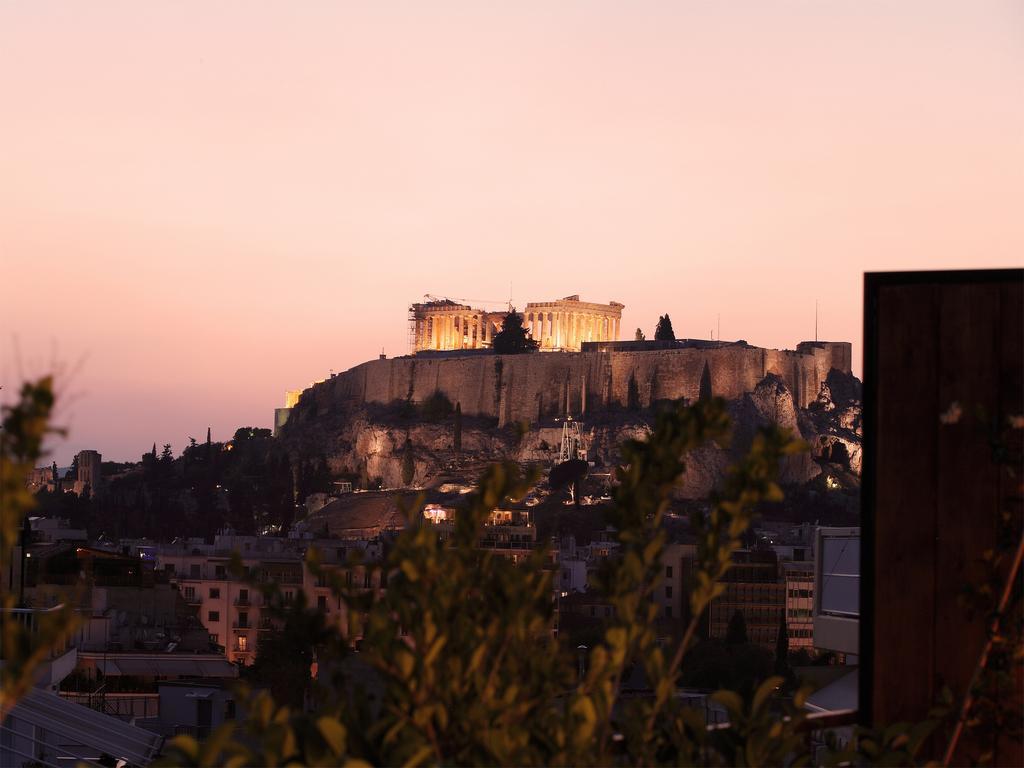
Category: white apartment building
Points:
column 231, row 607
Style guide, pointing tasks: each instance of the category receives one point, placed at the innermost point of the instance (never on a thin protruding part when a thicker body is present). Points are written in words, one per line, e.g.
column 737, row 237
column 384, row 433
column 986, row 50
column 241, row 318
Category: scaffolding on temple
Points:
column 412, row 341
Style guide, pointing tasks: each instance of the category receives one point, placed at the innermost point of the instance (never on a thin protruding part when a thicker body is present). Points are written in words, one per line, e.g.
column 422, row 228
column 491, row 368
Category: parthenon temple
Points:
column 563, row 325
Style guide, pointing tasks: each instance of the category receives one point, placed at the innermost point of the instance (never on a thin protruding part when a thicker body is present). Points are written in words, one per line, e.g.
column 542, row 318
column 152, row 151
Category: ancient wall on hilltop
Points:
column 542, row 385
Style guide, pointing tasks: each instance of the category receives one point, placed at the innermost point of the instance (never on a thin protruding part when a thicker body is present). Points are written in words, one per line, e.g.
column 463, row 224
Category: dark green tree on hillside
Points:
column 513, row 338
column 782, row 667
column 633, row 393
column 705, row 393
column 736, row 632
column 408, row 465
column 664, row 330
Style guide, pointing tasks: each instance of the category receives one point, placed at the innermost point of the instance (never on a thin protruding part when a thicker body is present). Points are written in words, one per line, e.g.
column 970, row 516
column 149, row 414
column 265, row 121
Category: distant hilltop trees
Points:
column 664, row 330
column 513, row 338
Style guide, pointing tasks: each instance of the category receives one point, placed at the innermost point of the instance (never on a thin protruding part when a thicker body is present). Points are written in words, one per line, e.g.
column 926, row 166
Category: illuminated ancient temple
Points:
column 562, row 325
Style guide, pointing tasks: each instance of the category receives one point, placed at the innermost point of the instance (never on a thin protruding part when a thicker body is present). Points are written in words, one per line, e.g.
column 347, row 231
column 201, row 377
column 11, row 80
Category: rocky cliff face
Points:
column 373, row 444
column 832, row 423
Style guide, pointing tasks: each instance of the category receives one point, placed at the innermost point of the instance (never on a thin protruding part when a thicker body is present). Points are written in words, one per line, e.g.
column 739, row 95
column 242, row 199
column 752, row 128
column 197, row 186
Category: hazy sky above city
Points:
column 205, row 204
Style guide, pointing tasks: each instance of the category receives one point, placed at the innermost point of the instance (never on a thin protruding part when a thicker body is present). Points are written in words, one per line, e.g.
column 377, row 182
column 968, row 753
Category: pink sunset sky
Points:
column 205, row 204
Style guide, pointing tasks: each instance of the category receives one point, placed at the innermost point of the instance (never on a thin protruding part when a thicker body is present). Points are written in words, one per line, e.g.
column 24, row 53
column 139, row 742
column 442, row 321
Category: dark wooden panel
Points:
column 933, row 491
column 1011, row 483
column 968, row 477
column 906, row 420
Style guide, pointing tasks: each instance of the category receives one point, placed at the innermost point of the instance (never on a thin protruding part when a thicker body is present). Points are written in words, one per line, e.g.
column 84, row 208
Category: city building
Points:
column 673, row 593
column 753, row 587
column 799, row 578
column 89, row 477
column 232, row 609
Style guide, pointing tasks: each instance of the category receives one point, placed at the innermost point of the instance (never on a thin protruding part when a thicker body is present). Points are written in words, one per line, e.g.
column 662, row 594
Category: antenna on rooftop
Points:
column 815, row 319
column 719, row 326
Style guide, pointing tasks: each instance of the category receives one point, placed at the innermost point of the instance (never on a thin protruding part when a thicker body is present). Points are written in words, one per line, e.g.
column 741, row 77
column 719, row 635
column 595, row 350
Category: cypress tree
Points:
column 736, row 633
column 633, row 393
column 513, row 338
column 458, row 427
column 664, row 330
column 705, row 393
column 408, row 465
column 782, row 649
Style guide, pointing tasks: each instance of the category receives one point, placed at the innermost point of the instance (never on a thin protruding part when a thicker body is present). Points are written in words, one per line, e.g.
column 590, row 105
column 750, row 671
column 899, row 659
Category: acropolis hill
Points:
column 365, row 422
column 543, row 385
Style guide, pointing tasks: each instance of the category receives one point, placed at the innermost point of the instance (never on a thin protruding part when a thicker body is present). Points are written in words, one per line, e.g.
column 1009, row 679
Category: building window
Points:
column 668, row 611
column 190, row 593
column 213, row 616
column 219, row 571
column 367, row 576
column 321, row 603
column 668, row 591
column 194, row 571
column 214, row 592
column 243, row 596
column 243, row 643
column 243, row 618
column 289, row 595
column 169, row 568
column 668, row 571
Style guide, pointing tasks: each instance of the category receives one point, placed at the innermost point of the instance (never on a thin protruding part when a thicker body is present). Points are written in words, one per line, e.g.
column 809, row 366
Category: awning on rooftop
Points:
column 170, row 666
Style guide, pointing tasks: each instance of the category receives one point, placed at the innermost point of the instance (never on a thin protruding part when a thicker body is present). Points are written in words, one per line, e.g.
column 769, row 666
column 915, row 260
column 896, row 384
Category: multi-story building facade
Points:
column 231, row 606
column 673, row 593
column 799, row 578
column 752, row 587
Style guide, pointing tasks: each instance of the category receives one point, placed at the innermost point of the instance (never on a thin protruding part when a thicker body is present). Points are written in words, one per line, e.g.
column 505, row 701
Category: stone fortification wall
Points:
column 543, row 385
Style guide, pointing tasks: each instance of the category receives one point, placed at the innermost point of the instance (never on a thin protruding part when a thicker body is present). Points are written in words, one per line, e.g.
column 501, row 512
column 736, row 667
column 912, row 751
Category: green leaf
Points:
column 333, row 733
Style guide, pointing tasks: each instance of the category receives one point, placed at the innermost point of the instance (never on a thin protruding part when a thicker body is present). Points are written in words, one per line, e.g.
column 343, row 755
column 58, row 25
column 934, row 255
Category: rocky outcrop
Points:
column 771, row 402
column 832, row 423
column 370, row 443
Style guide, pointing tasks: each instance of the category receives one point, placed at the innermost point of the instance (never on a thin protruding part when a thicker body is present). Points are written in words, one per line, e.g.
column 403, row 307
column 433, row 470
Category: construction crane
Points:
column 432, row 297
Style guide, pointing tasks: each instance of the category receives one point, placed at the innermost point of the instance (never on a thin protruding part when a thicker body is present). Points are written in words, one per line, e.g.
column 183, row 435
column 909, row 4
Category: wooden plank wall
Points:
column 932, row 490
